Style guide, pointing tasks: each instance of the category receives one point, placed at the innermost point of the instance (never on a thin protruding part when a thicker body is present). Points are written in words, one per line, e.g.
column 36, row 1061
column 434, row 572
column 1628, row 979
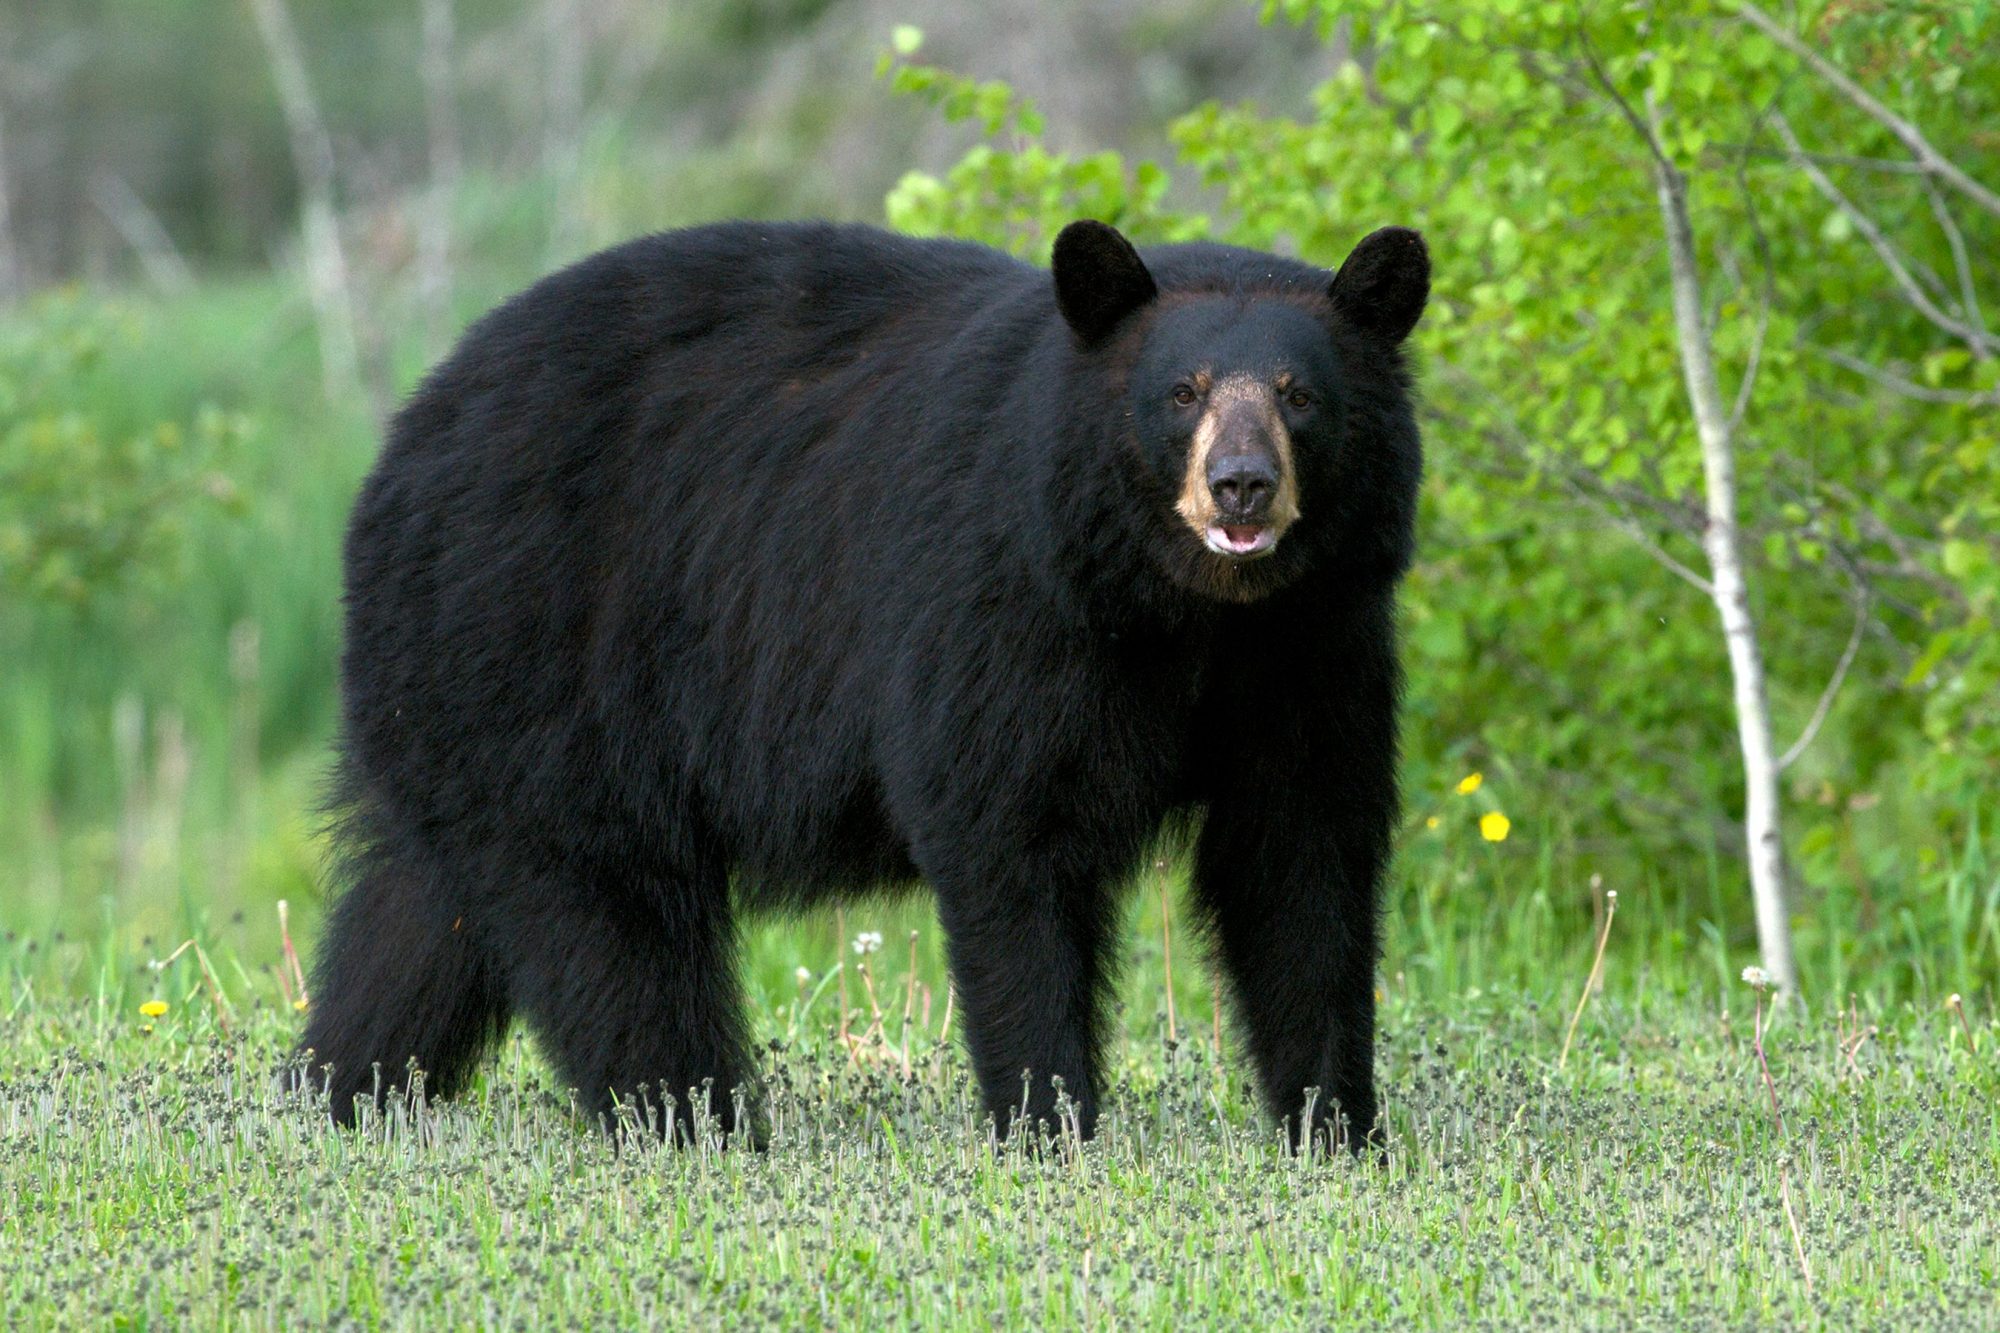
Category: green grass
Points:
column 160, row 1179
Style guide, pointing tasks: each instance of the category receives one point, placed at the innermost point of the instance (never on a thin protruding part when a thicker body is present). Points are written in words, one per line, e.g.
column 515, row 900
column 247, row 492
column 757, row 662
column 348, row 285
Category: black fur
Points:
column 744, row 566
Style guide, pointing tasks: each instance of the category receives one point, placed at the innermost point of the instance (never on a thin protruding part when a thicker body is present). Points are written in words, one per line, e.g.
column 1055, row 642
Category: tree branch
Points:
column 1930, row 159
column 1762, row 243
column 1744, row 389
column 1968, row 294
column 1887, row 166
column 1826, row 698
column 1908, row 565
column 1913, row 291
column 1909, row 389
column 1639, row 125
column 1631, row 527
column 1611, row 506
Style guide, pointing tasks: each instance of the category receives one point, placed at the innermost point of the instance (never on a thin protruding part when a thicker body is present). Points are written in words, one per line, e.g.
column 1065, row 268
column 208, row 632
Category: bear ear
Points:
column 1100, row 278
column 1383, row 285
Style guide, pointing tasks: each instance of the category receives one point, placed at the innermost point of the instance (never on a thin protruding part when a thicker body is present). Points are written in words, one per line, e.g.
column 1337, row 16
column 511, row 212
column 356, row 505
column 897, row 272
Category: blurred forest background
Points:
column 234, row 232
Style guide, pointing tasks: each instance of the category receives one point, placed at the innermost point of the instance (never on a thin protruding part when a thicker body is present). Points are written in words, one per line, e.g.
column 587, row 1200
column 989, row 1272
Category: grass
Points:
column 158, row 1176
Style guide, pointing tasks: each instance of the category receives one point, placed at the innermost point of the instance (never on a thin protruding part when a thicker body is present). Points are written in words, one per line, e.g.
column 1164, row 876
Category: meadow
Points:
column 1593, row 1118
column 1640, row 1165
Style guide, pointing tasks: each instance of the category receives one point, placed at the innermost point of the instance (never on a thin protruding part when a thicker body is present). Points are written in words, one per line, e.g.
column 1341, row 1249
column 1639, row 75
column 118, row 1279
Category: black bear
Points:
column 740, row 567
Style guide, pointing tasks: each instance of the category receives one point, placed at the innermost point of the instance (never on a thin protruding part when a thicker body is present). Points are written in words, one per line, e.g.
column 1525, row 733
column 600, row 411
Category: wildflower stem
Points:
column 1215, row 1006
column 291, row 954
column 1957, row 1006
column 1167, row 947
column 1757, row 1041
column 214, row 990
column 1857, row 1036
column 1590, row 982
column 840, row 935
column 1791, row 1219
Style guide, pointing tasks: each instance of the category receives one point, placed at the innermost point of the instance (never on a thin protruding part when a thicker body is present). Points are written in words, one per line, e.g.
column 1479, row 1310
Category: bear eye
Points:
column 1184, row 395
column 1299, row 398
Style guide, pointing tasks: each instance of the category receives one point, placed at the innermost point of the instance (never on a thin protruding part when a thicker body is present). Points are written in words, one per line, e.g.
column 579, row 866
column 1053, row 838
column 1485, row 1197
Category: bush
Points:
column 88, row 506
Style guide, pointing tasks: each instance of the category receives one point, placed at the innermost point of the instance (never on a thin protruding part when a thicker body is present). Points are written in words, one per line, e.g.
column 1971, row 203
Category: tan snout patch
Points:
column 1238, row 402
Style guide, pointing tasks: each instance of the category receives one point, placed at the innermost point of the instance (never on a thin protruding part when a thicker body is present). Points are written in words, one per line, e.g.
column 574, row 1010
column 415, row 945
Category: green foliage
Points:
column 214, row 651
column 89, row 506
column 1009, row 198
column 1547, row 637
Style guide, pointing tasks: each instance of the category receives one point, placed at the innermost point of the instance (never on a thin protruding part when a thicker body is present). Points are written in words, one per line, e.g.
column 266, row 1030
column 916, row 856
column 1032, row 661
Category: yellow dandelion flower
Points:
column 1470, row 783
column 300, row 1004
column 153, row 1008
column 1431, row 822
column 1494, row 827
column 146, row 1028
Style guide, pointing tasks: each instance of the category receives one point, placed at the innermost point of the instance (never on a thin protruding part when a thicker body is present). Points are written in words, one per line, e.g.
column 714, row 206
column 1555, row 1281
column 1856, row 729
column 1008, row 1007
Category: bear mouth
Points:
column 1239, row 541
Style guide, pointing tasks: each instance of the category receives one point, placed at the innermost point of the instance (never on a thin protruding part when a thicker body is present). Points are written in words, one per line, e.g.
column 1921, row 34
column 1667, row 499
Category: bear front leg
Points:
column 1295, row 925
column 1030, row 960
column 1300, row 821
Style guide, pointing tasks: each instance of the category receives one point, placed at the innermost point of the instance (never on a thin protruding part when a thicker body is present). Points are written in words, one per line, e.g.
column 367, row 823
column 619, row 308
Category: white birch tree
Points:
column 313, row 160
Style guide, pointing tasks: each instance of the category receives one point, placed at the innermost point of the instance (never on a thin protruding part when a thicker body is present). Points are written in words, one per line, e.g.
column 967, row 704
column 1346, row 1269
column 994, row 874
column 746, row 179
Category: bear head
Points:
column 1266, row 418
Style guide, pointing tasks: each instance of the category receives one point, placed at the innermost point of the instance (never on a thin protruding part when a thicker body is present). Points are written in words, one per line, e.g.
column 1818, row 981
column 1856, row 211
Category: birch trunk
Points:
column 312, row 158
column 562, row 127
column 441, row 125
column 141, row 229
column 1722, row 542
column 12, row 282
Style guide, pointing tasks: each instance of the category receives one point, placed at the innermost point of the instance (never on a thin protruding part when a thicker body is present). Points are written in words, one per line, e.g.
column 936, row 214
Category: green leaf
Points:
column 1963, row 559
column 1934, row 653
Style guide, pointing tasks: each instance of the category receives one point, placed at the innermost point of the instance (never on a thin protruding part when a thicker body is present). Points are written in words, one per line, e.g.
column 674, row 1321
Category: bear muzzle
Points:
column 1240, row 494
column 1243, row 488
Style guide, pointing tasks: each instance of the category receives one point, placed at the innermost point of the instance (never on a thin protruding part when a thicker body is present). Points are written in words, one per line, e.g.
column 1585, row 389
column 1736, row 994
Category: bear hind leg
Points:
column 399, row 979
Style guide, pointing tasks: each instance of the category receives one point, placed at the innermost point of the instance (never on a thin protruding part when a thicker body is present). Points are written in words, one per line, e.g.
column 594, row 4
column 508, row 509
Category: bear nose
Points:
column 1242, row 485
